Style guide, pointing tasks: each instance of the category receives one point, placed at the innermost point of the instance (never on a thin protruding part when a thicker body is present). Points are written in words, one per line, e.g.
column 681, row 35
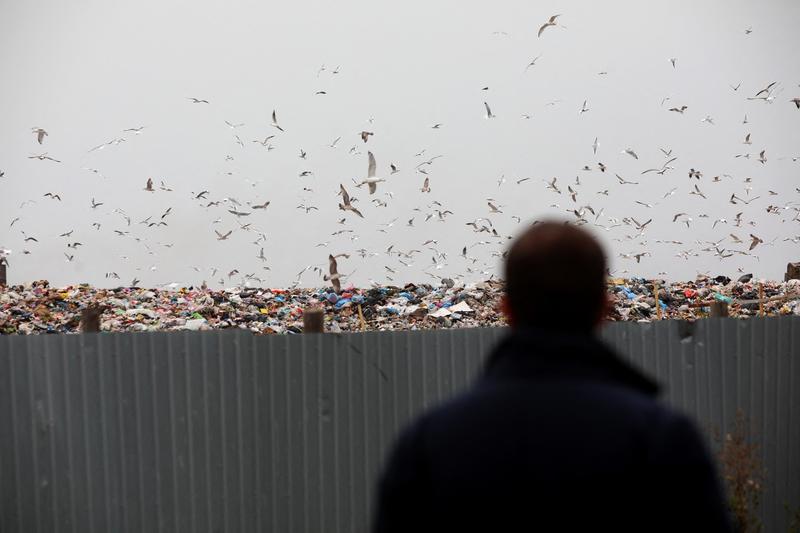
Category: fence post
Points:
column 2, row 273
column 313, row 320
column 90, row 319
column 719, row 309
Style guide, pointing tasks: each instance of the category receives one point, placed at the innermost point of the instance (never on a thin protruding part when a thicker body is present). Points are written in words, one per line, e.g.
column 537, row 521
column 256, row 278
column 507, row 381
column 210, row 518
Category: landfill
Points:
column 36, row 307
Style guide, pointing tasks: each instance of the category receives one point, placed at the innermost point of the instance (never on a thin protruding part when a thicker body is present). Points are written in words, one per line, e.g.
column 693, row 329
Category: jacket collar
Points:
column 538, row 354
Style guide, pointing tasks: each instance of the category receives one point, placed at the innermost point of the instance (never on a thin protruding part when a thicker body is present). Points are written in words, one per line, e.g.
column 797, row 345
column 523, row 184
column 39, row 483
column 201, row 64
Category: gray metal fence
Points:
column 224, row 431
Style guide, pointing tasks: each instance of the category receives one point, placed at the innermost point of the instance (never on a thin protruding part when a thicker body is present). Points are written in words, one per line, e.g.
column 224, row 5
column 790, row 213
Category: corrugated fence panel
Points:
column 224, row 431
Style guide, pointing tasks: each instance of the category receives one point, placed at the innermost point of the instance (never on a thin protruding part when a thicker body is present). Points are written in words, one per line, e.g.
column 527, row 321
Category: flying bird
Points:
column 149, row 186
column 365, row 135
column 197, row 100
column 221, row 237
column 426, row 185
column 533, row 62
column 371, row 180
column 630, row 152
column 275, row 121
column 40, row 134
column 43, row 157
column 333, row 275
column 755, row 241
column 346, row 205
column 550, row 22
column 680, row 109
column 488, row 111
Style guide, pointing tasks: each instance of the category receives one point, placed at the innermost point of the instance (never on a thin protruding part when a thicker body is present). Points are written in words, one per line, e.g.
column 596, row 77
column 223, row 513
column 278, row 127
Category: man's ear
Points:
column 505, row 309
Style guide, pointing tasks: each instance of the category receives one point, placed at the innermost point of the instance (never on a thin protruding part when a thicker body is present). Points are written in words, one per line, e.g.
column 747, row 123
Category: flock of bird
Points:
column 740, row 236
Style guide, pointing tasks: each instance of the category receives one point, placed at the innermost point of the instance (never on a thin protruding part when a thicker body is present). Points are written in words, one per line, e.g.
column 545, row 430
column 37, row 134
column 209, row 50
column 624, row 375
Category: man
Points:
column 558, row 434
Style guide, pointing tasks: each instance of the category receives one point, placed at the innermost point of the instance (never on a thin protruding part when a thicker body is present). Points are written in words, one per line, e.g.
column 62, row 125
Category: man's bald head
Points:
column 555, row 278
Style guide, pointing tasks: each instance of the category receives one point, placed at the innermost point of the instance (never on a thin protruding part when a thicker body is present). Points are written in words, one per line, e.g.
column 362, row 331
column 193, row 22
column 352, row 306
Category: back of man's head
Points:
column 555, row 278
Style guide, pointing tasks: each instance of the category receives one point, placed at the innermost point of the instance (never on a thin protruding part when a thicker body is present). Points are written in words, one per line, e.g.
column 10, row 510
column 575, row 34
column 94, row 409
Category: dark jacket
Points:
column 558, row 434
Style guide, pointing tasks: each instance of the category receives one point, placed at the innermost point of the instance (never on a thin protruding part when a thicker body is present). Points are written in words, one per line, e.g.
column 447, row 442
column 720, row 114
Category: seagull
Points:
column 135, row 131
column 695, row 173
column 708, row 119
column 275, row 121
column 680, row 109
column 697, row 192
column 755, row 241
column 394, row 168
column 197, row 100
column 630, row 152
column 371, row 180
column 664, row 168
column 69, row 257
column 796, row 102
column 237, row 213
column 40, row 134
column 488, row 111
column 762, row 158
column 552, row 185
column 426, row 185
column 533, row 62
column 234, row 126
column 747, row 139
column 584, row 109
column 673, row 60
column 365, row 135
column 346, row 205
column 623, row 181
column 493, row 208
column 43, row 157
column 550, row 22
column 595, row 146
column 261, row 206
column 221, row 237
column 95, row 205
column 149, row 186
column 53, row 196
column 766, row 89
column 333, row 275
column 333, row 144
column 308, row 208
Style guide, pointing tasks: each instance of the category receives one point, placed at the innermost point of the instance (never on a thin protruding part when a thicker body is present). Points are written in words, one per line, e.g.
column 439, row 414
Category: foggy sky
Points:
column 86, row 71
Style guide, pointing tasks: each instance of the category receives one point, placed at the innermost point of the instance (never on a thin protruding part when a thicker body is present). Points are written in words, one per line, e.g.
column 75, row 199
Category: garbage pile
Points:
column 39, row 308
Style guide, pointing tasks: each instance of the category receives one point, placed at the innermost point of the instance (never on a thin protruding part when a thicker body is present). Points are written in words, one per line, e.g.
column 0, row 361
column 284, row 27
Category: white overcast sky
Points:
column 87, row 70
